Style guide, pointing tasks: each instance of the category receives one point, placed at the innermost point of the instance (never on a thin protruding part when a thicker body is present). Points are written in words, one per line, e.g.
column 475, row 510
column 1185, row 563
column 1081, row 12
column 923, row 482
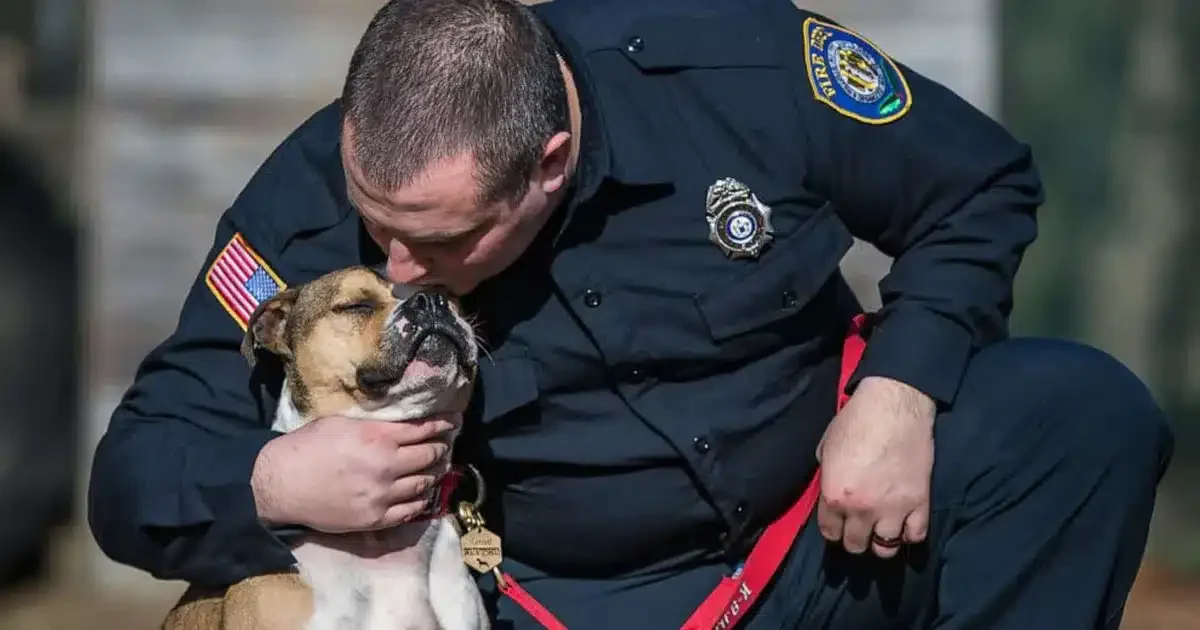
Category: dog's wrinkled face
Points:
column 354, row 344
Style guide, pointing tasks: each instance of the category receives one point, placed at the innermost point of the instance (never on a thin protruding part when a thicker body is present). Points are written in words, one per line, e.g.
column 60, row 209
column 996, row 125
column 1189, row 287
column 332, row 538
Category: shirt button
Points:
column 637, row 375
column 740, row 509
column 789, row 299
column 591, row 298
column 700, row 444
column 635, row 44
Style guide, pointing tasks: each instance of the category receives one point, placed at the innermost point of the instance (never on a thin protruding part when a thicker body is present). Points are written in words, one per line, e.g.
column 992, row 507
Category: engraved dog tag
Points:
column 481, row 549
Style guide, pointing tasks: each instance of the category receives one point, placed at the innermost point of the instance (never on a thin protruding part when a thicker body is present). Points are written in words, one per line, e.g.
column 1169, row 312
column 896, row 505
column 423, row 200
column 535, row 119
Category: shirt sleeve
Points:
column 170, row 486
column 929, row 180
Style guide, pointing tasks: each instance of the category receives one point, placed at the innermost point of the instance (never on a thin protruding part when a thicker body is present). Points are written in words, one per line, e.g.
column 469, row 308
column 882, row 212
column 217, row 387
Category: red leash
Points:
column 736, row 594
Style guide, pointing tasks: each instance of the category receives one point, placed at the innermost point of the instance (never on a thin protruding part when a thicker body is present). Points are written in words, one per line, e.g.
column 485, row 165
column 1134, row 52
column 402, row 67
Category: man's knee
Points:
column 1052, row 449
column 1074, row 397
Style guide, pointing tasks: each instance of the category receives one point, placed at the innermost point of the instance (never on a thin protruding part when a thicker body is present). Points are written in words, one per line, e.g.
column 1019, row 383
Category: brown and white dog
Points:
column 354, row 345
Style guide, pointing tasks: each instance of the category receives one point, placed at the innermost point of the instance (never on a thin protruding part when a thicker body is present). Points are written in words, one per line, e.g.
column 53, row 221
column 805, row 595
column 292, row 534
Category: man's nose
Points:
column 403, row 267
column 405, row 272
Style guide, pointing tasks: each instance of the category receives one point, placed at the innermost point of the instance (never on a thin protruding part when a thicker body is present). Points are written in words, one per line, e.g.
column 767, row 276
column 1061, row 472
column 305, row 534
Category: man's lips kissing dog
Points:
column 354, row 345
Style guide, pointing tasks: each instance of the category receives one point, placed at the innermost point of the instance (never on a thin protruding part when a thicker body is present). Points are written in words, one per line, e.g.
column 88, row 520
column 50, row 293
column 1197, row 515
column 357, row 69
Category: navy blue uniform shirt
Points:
column 649, row 401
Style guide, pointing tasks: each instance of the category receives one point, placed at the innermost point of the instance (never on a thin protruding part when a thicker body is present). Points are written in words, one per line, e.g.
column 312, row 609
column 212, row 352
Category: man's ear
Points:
column 554, row 169
column 266, row 326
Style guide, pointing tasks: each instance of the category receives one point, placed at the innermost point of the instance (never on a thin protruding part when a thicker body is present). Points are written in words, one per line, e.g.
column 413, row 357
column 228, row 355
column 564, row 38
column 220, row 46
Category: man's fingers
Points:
column 839, row 522
column 419, row 482
column 829, row 521
column 413, row 431
column 402, row 513
column 409, row 460
column 887, row 538
column 916, row 526
column 856, row 536
column 416, row 487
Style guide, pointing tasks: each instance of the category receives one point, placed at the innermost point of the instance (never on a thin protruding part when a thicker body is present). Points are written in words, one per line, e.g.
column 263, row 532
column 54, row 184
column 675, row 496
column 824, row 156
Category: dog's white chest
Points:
column 412, row 579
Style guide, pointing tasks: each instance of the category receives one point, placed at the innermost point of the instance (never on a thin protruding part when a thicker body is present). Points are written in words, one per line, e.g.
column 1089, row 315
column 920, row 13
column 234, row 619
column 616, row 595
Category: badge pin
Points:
column 738, row 222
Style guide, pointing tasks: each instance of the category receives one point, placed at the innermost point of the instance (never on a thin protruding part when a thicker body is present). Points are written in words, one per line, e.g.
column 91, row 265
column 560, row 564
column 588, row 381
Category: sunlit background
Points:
column 127, row 126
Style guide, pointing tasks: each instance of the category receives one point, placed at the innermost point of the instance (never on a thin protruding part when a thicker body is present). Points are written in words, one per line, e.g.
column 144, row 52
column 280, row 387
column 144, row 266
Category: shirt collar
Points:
column 612, row 148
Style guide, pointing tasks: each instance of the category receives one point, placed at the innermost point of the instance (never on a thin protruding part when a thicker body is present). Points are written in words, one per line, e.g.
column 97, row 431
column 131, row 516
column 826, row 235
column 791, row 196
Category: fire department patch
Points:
column 850, row 74
column 241, row 280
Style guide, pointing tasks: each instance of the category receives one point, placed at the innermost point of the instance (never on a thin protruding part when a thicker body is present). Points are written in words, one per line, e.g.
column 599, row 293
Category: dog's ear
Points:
column 266, row 326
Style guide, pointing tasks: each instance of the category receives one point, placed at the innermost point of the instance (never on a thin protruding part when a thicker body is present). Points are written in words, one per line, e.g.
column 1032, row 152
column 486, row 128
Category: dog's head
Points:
column 356, row 345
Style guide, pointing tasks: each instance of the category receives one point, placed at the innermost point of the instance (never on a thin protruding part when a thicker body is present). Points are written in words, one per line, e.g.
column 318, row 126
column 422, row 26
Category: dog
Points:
column 353, row 344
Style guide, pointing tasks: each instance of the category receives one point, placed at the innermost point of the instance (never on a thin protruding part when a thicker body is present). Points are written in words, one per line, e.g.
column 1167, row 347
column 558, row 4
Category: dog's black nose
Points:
column 377, row 380
column 423, row 304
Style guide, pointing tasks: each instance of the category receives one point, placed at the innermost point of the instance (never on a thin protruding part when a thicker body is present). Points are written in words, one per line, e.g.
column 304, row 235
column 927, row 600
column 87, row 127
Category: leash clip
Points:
column 482, row 550
column 501, row 583
column 468, row 512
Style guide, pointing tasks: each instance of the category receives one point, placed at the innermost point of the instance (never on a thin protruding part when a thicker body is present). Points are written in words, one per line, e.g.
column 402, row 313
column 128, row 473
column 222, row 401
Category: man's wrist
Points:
column 903, row 397
column 920, row 348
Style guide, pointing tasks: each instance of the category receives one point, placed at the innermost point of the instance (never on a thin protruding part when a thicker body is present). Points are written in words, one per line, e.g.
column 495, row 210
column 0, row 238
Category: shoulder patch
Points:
column 241, row 280
column 850, row 74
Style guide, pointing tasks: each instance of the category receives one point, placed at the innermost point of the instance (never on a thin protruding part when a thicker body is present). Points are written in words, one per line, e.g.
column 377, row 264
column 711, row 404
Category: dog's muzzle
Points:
column 427, row 313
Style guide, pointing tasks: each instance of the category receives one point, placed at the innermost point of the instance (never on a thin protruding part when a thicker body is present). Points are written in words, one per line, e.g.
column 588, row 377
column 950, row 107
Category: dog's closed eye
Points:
column 356, row 308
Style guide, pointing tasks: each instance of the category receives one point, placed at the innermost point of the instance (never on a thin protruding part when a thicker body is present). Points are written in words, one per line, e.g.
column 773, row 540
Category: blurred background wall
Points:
column 141, row 119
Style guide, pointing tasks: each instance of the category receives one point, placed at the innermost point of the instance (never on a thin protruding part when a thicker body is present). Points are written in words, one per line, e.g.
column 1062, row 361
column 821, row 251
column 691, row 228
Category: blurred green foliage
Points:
column 1106, row 93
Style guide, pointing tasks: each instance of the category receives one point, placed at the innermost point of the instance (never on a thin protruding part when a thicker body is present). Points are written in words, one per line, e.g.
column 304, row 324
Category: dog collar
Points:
column 439, row 502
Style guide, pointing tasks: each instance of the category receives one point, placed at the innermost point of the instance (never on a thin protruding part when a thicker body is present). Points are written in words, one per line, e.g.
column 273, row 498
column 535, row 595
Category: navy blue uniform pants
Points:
column 1043, row 486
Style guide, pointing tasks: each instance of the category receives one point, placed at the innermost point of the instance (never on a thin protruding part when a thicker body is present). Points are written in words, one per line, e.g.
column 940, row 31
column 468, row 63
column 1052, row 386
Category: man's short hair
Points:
column 434, row 78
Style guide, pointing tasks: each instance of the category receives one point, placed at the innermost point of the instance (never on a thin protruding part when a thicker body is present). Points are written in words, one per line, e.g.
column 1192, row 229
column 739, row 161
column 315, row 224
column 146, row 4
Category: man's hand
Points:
column 876, row 462
column 338, row 475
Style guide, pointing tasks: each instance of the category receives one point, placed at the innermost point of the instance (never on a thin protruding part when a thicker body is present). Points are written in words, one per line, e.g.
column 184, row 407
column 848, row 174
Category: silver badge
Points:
column 738, row 222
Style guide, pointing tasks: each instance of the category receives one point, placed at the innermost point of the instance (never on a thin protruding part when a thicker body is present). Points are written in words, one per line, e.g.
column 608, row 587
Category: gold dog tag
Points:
column 481, row 549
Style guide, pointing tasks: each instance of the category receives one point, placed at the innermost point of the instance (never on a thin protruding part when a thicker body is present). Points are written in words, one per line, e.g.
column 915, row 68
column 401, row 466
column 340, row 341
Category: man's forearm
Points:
column 950, row 290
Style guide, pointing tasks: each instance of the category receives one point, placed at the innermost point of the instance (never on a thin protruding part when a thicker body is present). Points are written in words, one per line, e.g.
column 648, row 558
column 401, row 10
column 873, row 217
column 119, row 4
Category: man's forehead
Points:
column 429, row 225
column 436, row 206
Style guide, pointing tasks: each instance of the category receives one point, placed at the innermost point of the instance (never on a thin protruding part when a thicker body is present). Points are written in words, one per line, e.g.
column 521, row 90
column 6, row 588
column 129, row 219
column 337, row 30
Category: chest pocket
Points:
column 780, row 284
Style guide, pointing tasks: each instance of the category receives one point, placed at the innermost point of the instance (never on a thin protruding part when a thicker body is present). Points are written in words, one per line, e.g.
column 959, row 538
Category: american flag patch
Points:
column 241, row 280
